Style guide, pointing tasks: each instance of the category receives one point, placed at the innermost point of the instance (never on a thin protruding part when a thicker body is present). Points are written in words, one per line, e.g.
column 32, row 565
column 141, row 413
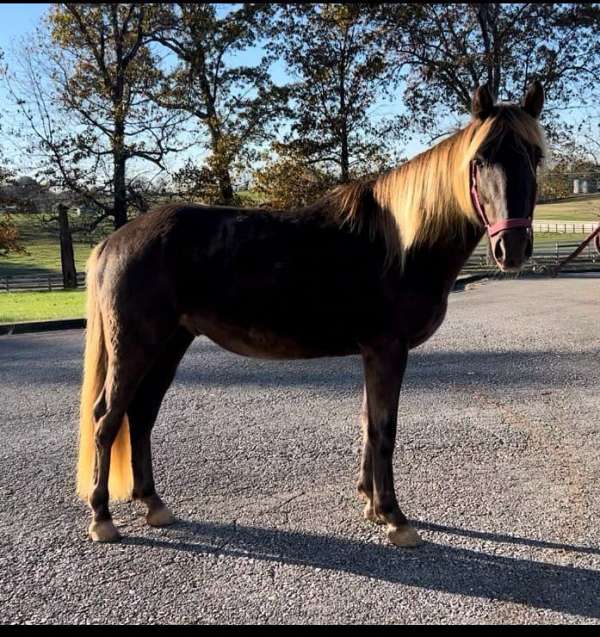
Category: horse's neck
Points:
column 439, row 265
column 464, row 249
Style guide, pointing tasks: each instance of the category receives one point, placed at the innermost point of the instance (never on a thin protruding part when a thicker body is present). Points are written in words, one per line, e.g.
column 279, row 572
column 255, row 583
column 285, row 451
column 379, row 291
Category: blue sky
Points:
column 17, row 20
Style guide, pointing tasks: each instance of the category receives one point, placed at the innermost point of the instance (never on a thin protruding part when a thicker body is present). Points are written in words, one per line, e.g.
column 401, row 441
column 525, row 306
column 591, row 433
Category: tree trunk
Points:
column 225, row 187
column 345, row 162
column 67, row 257
column 221, row 166
column 120, row 192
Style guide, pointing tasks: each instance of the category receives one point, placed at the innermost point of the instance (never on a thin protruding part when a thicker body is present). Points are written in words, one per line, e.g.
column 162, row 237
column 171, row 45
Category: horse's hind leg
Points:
column 142, row 415
column 123, row 373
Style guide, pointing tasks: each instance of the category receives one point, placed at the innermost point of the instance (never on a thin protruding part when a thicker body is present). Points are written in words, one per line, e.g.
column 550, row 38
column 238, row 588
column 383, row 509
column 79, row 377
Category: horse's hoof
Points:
column 404, row 536
column 369, row 514
column 160, row 517
column 104, row 531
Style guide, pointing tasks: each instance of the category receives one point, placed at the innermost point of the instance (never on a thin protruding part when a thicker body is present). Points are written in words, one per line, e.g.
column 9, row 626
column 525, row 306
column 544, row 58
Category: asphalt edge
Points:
column 42, row 326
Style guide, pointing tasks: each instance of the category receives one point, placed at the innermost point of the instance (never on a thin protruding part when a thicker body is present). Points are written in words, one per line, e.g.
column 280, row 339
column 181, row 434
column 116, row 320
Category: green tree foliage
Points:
column 9, row 235
column 108, row 88
column 341, row 71
column 287, row 181
column 443, row 51
column 233, row 104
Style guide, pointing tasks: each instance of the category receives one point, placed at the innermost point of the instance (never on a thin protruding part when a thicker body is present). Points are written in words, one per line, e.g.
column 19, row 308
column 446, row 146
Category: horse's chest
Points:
column 421, row 319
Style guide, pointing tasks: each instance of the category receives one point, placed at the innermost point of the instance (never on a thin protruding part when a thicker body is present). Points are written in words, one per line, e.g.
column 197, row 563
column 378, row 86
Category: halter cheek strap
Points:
column 499, row 226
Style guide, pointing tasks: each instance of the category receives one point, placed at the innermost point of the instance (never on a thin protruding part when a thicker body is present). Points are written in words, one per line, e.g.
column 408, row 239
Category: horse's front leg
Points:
column 384, row 365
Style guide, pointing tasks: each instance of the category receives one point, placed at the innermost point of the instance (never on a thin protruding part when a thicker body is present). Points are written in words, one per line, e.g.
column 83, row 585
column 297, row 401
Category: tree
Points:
column 9, row 232
column 288, row 181
column 342, row 71
column 235, row 105
column 25, row 193
column 9, row 235
column 84, row 90
column 442, row 51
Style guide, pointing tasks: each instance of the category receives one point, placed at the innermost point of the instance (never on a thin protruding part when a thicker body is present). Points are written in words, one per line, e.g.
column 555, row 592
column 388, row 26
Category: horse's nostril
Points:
column 499, row 250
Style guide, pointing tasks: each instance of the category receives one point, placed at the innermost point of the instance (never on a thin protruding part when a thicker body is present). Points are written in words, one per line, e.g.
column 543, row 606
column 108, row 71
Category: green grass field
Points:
column 544, row 240
column 42, row 245
column 39, row 306
column 576, row 208
column 552, row 237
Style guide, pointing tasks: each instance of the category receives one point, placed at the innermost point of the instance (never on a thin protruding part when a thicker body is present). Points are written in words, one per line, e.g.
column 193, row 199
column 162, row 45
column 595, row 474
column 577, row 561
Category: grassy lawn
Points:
column 39, row 306
column 43, row 258
column 553, row 237
column 544, row 240
column 41, row 241
column 577, row 208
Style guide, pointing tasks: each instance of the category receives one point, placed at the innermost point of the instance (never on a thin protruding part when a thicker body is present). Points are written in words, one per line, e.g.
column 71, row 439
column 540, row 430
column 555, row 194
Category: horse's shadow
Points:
column 437, row 567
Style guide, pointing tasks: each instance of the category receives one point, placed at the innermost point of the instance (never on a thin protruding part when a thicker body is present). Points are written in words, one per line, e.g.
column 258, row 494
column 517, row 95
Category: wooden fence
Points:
column 570, row 227
column 36, row 282
column 544, row 256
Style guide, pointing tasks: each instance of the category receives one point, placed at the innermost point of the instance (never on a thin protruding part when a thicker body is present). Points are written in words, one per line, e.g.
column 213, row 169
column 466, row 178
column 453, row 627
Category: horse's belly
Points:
column 261, row 342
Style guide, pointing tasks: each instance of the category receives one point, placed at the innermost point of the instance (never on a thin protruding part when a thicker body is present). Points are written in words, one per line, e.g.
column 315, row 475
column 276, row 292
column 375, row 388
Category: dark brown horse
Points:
column 366, row 270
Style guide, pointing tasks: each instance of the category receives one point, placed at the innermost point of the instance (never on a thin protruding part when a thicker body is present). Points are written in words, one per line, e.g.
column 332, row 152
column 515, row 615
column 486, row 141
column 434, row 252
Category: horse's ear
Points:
column 534, row 99
column 482, row 103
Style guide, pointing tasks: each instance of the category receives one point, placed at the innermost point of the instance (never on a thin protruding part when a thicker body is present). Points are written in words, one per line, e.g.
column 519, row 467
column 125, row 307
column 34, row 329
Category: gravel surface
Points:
column 497, row 464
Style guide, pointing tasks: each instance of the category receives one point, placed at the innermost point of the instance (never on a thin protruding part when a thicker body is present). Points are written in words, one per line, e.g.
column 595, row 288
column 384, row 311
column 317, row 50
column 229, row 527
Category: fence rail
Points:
column 543, row 256
column 36, row 282
column 569, row 227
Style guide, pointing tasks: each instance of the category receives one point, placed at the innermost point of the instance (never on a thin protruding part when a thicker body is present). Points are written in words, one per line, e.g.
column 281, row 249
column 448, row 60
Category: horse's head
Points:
column 503, row 173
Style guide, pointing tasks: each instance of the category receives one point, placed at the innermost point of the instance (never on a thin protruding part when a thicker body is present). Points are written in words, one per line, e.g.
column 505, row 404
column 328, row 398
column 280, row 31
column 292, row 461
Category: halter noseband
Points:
column 504, row 224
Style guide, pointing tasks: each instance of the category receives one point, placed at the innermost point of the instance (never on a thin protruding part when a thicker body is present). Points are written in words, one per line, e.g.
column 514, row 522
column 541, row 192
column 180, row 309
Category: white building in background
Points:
column 584, row 186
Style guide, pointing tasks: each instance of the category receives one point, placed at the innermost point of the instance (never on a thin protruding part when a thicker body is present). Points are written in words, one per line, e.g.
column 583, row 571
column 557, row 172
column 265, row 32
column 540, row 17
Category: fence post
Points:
column 556, row 252
column 7, row 288
column 49, row 284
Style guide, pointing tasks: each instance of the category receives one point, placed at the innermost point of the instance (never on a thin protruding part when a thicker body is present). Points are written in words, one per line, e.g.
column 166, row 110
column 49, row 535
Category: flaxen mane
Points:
column 428, row 197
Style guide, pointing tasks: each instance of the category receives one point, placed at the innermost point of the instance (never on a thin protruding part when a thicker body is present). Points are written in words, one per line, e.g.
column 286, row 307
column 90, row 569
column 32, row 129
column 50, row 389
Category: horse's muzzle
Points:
column 512, row 248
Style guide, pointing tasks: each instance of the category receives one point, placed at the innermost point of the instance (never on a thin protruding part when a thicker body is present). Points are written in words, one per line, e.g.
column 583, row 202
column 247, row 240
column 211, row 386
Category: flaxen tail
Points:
column 120, row 483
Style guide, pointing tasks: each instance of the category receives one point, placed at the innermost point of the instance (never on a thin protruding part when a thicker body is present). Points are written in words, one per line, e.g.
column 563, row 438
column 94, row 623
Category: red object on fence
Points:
column 594, row 236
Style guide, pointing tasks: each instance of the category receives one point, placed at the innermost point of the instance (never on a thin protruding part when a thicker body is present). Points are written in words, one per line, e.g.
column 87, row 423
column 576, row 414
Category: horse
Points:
column 365, row 270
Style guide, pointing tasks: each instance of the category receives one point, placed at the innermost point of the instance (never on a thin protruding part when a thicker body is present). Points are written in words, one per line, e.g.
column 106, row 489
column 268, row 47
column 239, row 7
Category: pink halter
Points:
column 504, row 224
